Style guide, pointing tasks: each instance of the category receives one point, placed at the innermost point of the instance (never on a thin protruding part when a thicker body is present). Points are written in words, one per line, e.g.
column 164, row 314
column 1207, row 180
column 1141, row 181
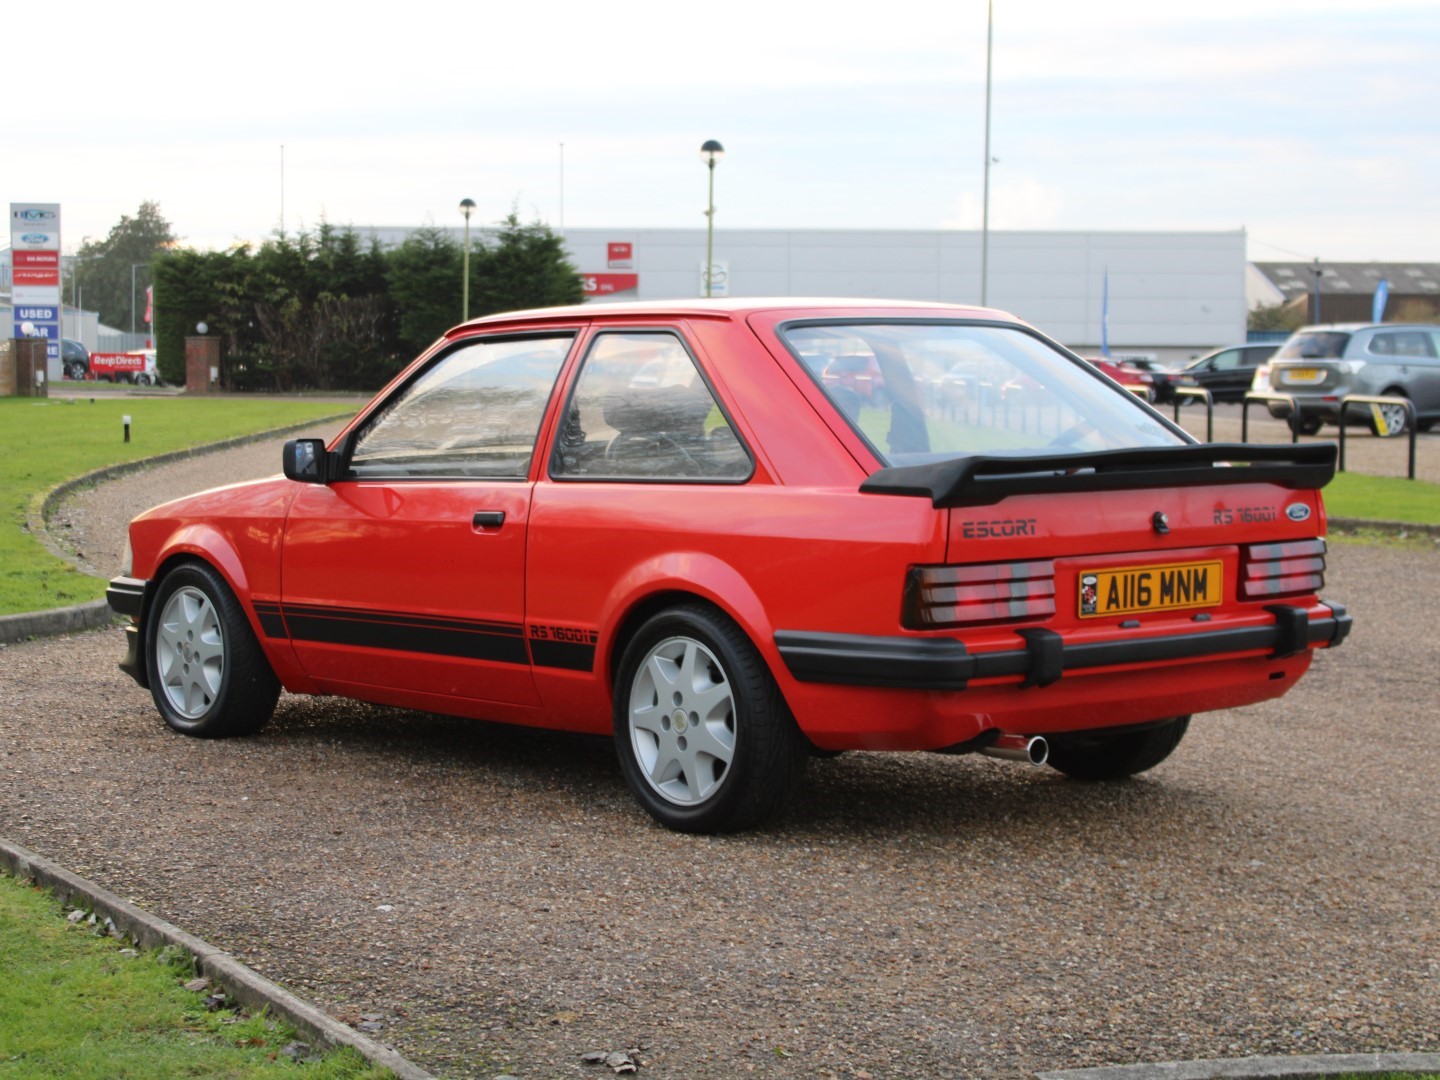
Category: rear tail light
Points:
column 1294, row 568
column 939, row 596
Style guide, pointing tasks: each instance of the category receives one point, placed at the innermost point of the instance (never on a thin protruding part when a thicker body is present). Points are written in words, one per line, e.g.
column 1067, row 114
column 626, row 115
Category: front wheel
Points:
column 208, row 675
column 1116, row 754
column 704, row 737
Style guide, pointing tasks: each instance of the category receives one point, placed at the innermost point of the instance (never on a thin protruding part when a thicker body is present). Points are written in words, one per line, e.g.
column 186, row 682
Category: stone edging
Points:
column 1385, row 526
column 1260, row 1068
column 249, row 988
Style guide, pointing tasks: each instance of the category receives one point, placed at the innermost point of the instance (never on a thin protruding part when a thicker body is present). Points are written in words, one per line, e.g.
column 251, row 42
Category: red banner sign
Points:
column 110, row 363
column 50, row 259
column 619, row 256
column 601, row 284
column 35, row 275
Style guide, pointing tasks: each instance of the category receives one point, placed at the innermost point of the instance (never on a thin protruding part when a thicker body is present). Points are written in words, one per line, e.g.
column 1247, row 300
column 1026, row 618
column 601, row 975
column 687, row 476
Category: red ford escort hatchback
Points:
column 670, row 523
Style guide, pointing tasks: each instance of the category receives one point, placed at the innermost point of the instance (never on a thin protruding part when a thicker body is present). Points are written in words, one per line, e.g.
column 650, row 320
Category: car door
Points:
column 1408, row 360
column 406, row 576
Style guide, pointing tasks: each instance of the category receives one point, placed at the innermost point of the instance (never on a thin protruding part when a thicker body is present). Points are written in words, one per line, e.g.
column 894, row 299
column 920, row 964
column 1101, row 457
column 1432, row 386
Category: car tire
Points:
column 75, row 370
column 1396, row 420
column 703, row 734
column 207, row 673
column 1114, row 755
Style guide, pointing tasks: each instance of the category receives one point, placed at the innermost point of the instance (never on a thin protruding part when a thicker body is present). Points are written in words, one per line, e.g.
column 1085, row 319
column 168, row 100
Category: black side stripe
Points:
column 572, row 656
column 500, row 642
column 270, row 621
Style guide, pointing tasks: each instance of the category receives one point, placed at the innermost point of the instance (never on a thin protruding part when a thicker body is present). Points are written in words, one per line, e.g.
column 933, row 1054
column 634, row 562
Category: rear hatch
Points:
column 1309, row 363
column 1172, row 540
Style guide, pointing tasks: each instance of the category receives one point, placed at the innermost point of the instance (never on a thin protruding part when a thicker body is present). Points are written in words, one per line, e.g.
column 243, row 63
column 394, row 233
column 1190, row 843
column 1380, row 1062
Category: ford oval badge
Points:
column 1298, row 512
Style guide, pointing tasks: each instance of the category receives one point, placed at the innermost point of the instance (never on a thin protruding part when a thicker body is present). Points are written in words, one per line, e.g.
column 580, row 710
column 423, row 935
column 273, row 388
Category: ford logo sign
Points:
column 1297, row 512
column 35, row 238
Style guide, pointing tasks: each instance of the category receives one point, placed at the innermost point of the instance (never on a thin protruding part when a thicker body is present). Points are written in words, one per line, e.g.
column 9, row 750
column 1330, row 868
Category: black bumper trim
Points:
column 945, row 664
column 126, row 596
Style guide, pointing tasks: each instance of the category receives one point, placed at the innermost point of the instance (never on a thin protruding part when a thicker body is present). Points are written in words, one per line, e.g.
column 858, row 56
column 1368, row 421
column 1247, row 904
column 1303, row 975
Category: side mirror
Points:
column 305, row 461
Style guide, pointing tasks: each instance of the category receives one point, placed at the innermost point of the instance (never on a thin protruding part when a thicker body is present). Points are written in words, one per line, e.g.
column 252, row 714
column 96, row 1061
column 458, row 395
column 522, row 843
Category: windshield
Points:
column 1321, row 345
column 925, row 392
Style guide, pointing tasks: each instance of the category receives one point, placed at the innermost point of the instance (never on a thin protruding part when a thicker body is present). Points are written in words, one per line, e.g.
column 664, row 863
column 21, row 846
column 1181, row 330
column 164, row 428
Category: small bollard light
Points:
column 127, row 427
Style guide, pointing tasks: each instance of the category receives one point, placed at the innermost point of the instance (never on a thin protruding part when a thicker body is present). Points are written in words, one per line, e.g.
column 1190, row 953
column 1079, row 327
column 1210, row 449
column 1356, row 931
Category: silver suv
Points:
column 1319, row 365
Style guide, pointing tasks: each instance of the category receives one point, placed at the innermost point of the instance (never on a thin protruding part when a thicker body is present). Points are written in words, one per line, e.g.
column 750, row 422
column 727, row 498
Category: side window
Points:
column 640, row 410
column 474, row 413
column 1411, row 344
column 1227, row 361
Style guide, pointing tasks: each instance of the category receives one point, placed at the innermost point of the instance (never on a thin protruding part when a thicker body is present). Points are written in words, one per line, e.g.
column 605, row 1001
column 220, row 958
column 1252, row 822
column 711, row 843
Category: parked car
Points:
column 1162, row 378
column 150, row 374
column 1227, row 373
column 1320, row 365
column 730, row 572
column 74, row 358
column 1139, row 381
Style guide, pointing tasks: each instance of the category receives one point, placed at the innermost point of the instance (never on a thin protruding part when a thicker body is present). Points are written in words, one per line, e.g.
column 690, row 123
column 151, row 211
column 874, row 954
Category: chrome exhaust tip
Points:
column 1031, row 748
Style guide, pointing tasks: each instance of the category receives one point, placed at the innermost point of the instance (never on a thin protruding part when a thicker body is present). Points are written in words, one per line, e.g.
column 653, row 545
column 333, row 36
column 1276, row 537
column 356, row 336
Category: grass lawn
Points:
column 76, row 1004
column 1383, row 498
column 45, row 441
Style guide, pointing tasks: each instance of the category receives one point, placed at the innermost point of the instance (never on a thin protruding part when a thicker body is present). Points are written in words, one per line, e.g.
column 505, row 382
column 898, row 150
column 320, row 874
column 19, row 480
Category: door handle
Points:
column 488, row 519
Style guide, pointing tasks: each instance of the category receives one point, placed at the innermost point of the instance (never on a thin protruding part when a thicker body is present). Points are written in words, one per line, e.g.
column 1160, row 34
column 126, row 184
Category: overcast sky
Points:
column 1312, row 124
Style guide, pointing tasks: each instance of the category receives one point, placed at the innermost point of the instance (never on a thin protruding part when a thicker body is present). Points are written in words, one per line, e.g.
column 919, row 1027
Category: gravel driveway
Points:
column 492, row 900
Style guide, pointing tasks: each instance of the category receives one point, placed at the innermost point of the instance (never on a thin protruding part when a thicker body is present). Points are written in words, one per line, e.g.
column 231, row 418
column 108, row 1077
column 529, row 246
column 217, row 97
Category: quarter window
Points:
column 642, row 411
column 474, row 413
column 1409, row 343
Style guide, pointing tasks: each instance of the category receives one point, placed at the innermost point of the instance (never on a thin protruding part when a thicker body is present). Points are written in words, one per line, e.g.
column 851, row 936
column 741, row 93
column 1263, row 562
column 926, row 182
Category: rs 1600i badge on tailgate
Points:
column 1130, row 589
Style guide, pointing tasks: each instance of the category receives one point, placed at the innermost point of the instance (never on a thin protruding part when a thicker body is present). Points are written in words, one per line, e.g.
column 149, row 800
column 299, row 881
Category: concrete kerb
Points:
column 247, row 987
column 96, row 613
column 1261, row 1068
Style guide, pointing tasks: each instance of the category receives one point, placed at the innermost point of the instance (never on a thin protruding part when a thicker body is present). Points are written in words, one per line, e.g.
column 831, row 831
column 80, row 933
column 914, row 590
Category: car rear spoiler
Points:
column 983, row 479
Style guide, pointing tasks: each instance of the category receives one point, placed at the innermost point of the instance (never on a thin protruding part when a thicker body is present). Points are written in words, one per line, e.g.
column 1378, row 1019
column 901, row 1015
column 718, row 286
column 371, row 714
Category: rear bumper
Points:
column 909, row 663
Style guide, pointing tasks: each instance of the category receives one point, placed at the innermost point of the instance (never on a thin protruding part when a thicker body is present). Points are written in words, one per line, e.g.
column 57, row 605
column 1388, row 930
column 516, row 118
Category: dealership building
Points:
column 1163, row 295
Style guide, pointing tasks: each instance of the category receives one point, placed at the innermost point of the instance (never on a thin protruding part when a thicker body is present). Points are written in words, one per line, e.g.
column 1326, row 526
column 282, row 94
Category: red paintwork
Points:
column 794, row 548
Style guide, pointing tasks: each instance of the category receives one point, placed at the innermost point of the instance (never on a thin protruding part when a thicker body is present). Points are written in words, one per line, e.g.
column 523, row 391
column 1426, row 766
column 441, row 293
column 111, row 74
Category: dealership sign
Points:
column 35, row 273
column 604, row 284
column 619, row 256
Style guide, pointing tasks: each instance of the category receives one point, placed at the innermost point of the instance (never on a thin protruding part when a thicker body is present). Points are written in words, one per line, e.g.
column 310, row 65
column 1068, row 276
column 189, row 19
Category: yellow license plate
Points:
column 1307, row 375
column 1168, row 587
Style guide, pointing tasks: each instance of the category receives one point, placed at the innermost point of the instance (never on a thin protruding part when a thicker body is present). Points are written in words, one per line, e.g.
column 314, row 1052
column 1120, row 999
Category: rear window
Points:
column 1320, row 345
column 925, row 392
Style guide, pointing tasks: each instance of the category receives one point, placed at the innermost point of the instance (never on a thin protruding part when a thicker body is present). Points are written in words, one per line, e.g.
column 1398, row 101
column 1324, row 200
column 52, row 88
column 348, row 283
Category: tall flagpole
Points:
column 985, row 212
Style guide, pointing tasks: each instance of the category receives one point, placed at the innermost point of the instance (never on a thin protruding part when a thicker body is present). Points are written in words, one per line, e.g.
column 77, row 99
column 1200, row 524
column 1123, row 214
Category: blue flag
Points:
column 1382, row 294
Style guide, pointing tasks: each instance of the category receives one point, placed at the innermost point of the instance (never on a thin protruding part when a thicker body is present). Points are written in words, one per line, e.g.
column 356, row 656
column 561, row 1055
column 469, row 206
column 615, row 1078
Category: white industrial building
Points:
column 1172, row 295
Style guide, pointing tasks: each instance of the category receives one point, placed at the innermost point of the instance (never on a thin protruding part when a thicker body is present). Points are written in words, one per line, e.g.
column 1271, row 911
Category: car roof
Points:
column 738, row 309
column 1352, row 327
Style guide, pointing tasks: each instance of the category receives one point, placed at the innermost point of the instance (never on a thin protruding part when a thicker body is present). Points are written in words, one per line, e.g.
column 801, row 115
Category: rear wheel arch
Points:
column 703, row 579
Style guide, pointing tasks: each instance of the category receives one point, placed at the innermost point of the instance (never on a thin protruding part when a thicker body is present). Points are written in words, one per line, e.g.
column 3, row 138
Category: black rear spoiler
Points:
column 983, row 479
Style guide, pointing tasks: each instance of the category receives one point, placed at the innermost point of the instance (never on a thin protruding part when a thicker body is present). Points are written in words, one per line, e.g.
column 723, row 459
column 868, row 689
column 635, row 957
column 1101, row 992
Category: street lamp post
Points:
column 466, row 206
column 133, row 268
column 710, row 153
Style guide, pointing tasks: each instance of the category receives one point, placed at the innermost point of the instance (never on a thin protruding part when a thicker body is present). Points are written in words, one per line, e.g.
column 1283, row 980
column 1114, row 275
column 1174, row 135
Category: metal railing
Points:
column 1373, row 400
column 1268, row 395
column 1209, row 399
